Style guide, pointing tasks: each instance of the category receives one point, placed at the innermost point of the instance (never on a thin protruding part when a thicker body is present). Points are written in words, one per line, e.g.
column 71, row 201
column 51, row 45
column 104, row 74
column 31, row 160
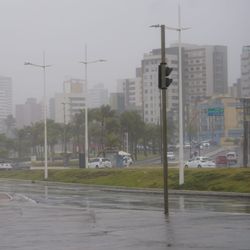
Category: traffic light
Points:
column 163, row 76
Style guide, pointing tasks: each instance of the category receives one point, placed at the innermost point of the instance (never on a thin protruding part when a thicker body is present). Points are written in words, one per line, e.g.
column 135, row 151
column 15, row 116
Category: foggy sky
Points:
column 115, row 30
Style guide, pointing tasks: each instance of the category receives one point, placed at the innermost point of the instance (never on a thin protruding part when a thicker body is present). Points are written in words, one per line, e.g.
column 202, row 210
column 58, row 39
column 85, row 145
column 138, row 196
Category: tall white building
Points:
column 245, row 71
column 97, row 96
column 5, row 100
column 71, row 101
column 151, row 93
column 132, row 90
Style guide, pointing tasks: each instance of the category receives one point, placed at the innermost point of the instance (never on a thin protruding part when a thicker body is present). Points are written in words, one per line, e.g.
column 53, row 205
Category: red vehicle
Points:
column 221, row 160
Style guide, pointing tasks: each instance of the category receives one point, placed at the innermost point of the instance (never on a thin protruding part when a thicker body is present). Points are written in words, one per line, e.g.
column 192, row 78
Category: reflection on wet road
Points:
column 69, row 217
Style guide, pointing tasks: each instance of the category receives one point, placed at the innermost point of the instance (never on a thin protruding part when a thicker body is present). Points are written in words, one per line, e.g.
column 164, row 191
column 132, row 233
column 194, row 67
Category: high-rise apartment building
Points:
column 28, row 113
column 205, row 72
column 71, row 101
column 116, row 101
column 97, row 96
column 150, row 91
column 5, row 100
column 245, row 71
column 132, row 90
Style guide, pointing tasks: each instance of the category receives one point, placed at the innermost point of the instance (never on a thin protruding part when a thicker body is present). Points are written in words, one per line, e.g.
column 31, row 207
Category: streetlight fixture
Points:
column 86, row 62
column 181, row 153
column 43, row 66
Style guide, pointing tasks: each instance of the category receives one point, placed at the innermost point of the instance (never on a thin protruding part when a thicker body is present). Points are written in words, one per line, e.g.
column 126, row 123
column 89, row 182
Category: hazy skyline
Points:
column 115, row 30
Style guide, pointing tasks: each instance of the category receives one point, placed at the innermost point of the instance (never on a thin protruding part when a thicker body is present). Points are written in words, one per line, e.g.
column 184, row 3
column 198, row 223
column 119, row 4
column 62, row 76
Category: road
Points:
column 42, row 216
column 211, row 152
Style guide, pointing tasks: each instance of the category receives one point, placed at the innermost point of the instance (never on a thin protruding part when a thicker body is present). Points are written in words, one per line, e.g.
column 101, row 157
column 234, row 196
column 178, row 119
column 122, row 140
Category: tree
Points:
column 6, row 146
column 133, row 124
column 77, row 130
column 105, row 128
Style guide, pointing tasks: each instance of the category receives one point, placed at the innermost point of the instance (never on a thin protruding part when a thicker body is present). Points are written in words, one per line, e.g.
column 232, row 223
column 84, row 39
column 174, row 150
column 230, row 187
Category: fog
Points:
column 115, row 30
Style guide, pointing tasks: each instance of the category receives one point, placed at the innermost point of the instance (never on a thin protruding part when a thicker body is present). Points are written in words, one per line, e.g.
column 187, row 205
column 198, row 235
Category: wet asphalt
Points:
column 38, row 216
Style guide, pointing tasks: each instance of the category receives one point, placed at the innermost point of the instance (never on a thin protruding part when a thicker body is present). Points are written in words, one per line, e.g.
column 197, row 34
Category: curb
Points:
column 141, row 190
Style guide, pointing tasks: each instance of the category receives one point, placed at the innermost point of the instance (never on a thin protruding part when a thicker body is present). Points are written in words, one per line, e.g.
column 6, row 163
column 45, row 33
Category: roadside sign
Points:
column 215, row 112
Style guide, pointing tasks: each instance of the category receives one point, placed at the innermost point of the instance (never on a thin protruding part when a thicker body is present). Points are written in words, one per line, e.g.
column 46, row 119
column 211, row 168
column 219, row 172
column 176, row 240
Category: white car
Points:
column 170, row 156
column 200, row 162
column 5, row 166
column 127, row 161
column 99, row 162
column 231, row 157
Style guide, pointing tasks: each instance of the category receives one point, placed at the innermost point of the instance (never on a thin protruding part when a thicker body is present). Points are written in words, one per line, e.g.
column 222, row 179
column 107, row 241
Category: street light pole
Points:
column 43, row 66
column 86, row 62
column 181, row 153
column 86, row 111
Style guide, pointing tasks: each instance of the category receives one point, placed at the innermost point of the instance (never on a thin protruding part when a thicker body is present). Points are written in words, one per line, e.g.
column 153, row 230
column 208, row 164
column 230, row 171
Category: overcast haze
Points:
column 112, row 29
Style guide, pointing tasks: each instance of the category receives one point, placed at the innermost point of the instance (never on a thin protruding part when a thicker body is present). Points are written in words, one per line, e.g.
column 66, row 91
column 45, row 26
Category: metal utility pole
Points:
column 163, row 84
column 179, row 29
column 64, row 136
column 86, row 62
column 246, row 128
column 43, row 67
column 164, row 124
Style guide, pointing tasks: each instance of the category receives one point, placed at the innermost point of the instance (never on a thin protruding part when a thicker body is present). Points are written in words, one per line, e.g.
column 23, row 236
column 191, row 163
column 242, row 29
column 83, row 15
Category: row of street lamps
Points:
column 43, row 67
column 179, row 29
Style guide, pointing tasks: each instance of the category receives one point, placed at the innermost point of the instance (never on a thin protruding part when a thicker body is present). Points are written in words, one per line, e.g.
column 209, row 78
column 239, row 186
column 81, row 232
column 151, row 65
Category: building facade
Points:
column 71, row 101
column 245, row 71
column 132, row 90
column 5, row 100
column 117, row 102
column 205, row 72
column 97, row 96
column 220, row 118
column 151, row 95
column 28, row 113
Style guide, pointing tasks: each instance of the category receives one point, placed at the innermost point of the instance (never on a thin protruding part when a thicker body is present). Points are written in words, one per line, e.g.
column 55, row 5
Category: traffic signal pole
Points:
column 164, row 123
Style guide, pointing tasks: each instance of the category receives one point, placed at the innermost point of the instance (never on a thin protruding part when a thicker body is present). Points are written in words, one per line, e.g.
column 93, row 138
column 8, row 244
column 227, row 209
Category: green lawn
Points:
column 227, row 180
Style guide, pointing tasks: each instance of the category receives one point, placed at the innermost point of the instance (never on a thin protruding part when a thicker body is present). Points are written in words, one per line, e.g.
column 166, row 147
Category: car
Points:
column 200, row 162
column 127, row 160
column 171, row 147
column 170, row 156
column 221, row 160
column 21, row 165
column 206, row 144
column 5, row 166
column 187, row 145
column 99, row 162
column 231, row 157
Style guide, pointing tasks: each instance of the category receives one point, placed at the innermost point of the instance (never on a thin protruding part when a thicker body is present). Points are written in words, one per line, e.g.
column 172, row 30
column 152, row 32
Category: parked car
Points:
column 127, row 161
column 187, row 145
column 21, row 165
column 200, row 162
column 221, row 160
column 99, row 162
column 231, row 158
column 206, row 144
column 5, row 166
column 170, row 156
